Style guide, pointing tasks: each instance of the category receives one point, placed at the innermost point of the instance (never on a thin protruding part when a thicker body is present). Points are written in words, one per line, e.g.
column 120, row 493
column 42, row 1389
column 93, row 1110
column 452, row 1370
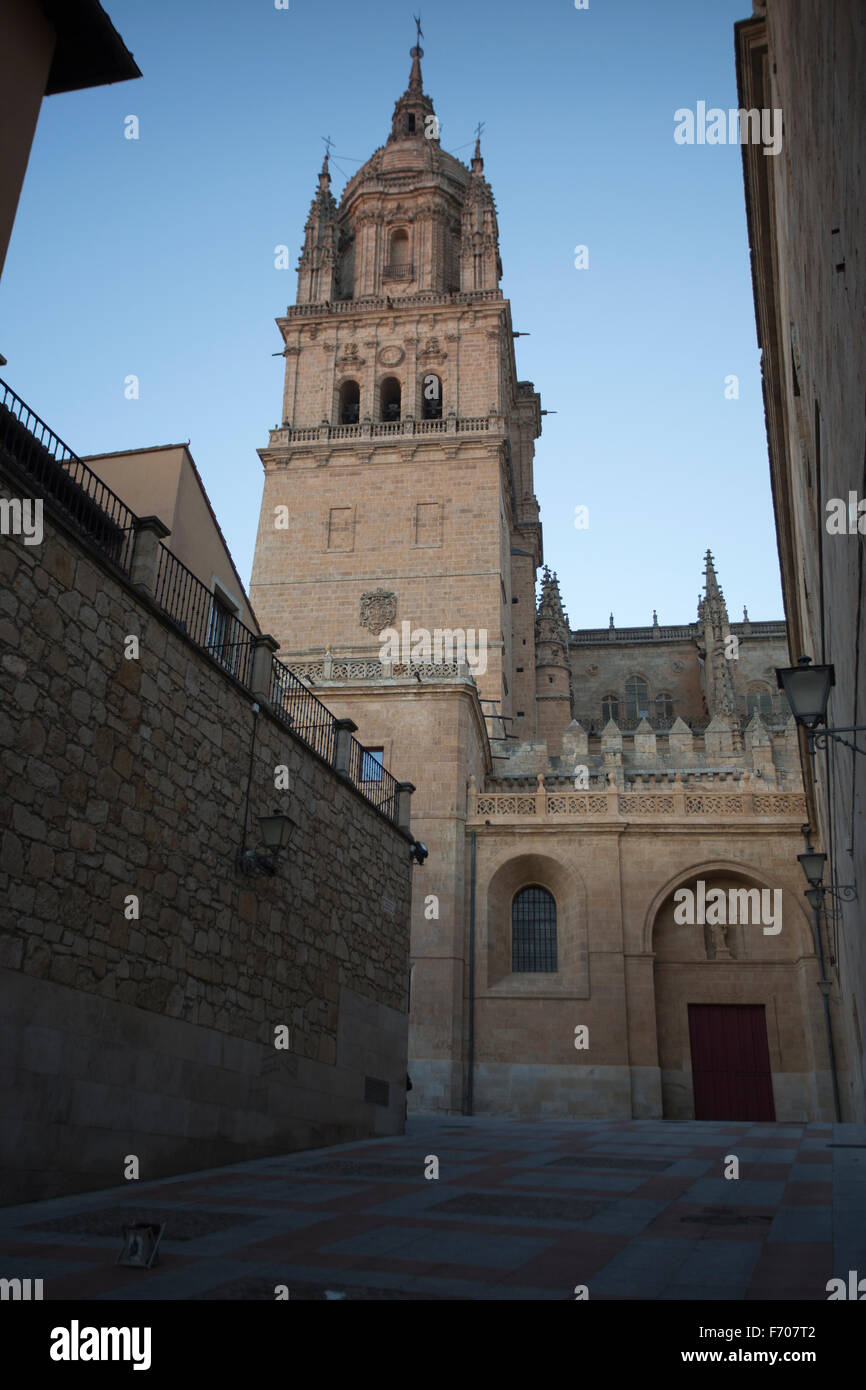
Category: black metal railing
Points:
column 315, row 725
column 300, row 709
column 398, row 272
column 39, row 456
column 373, row 780
column 203, row 618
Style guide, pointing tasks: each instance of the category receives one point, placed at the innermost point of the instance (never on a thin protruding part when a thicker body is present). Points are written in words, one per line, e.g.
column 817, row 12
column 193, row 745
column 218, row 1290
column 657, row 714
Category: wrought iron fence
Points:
column 300, row 709
column 203, row 618
column 373, row 780
column 37, row 454
column 316, row 726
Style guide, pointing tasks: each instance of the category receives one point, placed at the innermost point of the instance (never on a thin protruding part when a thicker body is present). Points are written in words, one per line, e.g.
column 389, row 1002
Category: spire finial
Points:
column 477, row 161
column 416, row 53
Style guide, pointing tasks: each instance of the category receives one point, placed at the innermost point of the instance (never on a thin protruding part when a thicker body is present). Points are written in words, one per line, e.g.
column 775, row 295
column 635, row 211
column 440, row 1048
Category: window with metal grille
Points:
column 533, row 931
column 610, row 708
column 636, row 704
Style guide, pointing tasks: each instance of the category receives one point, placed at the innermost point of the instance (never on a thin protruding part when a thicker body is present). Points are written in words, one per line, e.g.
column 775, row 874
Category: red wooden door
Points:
column 730, row 1062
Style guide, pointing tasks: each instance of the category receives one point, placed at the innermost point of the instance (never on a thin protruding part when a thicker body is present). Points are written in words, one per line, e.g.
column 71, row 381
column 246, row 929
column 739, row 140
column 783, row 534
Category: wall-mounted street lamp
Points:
column 276, row 832
column 813, row 865
column 807, row 688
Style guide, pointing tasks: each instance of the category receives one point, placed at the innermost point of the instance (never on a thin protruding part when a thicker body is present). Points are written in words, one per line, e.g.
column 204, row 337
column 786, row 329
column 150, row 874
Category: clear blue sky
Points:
column 156, row 257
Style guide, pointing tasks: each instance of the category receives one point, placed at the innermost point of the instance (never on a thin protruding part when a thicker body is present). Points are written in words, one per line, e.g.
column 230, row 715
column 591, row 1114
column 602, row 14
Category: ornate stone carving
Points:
column 349, row 357
column 378, row 610
column 391, row 356
column 432, row 351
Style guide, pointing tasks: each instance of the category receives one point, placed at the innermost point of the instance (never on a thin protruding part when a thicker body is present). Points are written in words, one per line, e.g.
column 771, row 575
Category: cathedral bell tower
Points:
column 399, row 535
column 403, row 463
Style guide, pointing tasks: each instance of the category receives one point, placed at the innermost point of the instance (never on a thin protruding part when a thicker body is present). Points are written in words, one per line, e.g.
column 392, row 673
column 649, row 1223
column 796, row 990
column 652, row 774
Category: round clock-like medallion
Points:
column 391, row 356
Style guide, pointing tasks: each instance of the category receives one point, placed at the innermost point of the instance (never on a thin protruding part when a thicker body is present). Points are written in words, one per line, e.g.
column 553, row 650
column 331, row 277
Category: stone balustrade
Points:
column 683, row 801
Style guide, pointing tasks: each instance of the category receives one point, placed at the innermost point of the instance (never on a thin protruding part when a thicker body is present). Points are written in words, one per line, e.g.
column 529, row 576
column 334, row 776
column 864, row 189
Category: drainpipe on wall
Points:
column 471, row 1057
column 824, row 986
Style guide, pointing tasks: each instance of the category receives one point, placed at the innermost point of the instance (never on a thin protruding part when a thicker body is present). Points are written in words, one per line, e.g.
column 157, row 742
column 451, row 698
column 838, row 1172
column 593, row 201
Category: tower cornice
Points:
column 378, row 305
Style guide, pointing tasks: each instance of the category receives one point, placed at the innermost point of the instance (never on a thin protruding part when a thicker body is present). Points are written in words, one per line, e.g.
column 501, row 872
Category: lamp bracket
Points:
column 818, row 737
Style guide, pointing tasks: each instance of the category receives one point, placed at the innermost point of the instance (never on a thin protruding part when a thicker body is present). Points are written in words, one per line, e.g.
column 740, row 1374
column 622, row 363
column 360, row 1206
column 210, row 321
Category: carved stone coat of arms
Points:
column 378, row 610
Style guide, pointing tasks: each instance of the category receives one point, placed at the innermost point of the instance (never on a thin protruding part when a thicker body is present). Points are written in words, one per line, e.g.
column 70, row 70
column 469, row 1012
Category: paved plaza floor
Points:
column 519, row 1211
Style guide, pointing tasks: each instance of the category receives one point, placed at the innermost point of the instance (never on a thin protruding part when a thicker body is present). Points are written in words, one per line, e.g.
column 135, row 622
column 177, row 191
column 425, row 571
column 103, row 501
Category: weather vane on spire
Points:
column 417, row 51
column 479, row 129
column 328, row 143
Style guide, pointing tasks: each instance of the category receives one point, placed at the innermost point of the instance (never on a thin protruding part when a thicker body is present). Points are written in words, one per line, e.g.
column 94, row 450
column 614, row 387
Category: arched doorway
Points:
column 734, row 974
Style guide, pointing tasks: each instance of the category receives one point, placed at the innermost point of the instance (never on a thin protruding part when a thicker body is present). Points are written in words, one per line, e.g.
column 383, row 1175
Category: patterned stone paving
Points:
column 614, row 1161
column 109, row 1221
column 520, row 1211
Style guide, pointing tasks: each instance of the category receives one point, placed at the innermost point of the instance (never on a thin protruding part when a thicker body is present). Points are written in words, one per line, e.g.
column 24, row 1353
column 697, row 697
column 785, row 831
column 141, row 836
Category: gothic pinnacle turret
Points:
column 720, row 649
column 552, row 667
column 318, row 260
column 480, row 265
column 714, row 601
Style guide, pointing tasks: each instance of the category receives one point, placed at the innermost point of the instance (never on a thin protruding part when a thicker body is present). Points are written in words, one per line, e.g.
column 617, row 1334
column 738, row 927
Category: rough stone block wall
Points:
column 154, row 1034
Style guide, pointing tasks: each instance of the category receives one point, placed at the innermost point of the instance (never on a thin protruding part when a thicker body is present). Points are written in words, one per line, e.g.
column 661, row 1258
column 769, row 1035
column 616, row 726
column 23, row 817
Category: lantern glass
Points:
column 276, row 830
column 813, row 866
column 807, row 688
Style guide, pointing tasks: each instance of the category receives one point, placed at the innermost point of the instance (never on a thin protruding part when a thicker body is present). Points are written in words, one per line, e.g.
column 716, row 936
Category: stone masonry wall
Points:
column 155, row 1036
